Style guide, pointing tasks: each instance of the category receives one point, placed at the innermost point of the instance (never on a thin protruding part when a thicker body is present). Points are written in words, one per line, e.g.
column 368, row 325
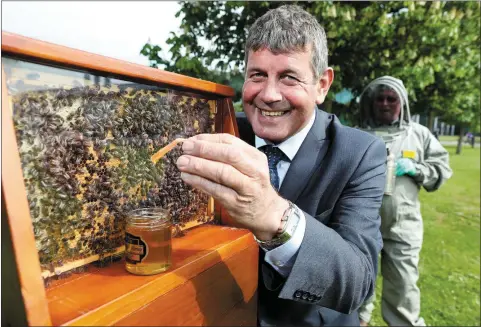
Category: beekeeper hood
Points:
column 367, row 100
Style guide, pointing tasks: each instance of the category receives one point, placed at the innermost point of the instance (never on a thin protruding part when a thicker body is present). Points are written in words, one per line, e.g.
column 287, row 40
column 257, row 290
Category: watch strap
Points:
column 291, row 218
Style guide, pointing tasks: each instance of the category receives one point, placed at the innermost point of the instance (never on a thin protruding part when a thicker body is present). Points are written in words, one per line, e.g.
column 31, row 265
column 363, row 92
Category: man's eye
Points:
column 257, row 75
column 290, row 78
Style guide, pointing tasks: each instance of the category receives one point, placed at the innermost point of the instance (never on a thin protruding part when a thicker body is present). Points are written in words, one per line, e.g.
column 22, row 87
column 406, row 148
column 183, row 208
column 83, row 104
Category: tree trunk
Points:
column 460, row 140
column 430, row 123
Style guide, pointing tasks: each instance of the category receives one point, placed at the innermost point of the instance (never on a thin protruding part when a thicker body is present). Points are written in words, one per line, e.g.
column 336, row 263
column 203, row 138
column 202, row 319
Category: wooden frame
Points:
column 228, row 259
column 16, row 44
column 19, row 221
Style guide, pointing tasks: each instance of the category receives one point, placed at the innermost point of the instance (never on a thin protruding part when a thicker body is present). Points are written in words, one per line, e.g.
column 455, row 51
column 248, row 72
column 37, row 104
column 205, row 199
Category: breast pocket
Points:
column 325, row 216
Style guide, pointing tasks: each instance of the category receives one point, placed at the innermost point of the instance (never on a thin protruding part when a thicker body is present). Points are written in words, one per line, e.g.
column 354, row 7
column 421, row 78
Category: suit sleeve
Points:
column 434, row 169
column 336, row 265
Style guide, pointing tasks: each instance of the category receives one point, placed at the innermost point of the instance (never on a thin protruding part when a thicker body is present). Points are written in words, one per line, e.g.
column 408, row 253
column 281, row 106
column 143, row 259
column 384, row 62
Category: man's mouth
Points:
column 269, row 113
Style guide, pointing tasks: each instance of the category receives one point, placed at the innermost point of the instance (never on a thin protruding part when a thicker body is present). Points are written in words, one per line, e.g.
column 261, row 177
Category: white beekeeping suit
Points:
column 421, row 161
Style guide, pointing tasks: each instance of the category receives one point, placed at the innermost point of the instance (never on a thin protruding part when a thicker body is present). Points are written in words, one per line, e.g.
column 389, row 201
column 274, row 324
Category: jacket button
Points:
column 297, row 294
column 305, row 295
column 311, row 298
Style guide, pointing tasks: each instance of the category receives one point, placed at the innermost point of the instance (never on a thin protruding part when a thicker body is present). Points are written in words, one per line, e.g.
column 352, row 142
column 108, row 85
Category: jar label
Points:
column 135, row 249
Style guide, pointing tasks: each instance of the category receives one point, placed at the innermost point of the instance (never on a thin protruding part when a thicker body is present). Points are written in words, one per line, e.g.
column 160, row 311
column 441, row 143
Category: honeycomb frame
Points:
column 85, row 153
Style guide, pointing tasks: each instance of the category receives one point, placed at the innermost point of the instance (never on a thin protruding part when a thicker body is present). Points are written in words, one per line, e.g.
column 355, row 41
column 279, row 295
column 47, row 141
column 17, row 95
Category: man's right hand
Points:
column 237, row 175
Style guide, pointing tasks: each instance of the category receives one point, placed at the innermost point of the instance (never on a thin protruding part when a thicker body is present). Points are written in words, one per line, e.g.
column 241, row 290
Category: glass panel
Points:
column 85, row 143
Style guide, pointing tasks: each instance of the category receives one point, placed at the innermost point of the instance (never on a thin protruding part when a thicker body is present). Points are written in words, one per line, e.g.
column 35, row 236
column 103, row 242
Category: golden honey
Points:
column 148, row 241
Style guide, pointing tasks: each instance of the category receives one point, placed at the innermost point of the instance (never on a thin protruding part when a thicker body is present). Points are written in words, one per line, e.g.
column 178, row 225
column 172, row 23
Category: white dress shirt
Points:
column 282, row 258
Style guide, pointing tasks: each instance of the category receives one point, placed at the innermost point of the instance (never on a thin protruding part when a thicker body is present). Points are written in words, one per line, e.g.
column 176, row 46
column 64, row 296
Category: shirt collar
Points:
column 293, row 143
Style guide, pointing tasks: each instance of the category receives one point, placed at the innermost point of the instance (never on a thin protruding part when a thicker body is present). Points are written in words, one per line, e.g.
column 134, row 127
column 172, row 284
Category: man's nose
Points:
column 271, row 93
column 383, row 102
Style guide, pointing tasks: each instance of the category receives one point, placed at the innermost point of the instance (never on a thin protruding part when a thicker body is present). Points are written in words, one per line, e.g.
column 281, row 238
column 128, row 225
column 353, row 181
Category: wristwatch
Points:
column 291, row 216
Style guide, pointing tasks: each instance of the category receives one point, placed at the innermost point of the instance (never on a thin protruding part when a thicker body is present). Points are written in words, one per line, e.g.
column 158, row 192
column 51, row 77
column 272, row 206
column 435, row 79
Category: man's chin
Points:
column 271, row 134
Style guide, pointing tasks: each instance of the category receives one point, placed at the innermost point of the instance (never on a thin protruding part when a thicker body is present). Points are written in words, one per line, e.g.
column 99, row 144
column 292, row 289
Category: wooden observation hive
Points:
column 78, row 131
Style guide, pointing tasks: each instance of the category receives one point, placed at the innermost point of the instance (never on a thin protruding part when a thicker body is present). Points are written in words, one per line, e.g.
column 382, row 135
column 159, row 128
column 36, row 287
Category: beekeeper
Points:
column 419, row 160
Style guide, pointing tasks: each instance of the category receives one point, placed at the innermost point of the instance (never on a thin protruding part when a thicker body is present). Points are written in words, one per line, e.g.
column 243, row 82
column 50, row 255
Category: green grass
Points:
column 454, row 138
column 450, row 264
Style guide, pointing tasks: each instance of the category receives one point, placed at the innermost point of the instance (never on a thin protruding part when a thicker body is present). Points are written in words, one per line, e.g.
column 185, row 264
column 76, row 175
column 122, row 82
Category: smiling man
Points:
column 307, row 187
column 280, row 92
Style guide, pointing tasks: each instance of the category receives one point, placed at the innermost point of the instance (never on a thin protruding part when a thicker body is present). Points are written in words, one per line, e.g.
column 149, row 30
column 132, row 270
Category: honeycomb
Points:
column 85, row 155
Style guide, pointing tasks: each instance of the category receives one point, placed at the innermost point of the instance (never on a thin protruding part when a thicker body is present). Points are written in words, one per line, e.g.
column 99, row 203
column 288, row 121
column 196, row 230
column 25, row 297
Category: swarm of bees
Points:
column 85, row 156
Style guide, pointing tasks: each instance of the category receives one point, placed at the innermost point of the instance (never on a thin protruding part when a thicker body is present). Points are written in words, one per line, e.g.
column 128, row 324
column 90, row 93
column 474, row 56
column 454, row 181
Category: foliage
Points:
column 434, row 47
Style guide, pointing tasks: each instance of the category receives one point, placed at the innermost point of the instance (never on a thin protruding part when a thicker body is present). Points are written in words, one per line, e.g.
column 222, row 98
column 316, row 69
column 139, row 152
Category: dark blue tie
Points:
column 274, row 155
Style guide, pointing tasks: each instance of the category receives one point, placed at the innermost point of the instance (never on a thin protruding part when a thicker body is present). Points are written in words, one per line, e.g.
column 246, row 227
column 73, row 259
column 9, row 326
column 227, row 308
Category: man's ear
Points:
column 325, row 81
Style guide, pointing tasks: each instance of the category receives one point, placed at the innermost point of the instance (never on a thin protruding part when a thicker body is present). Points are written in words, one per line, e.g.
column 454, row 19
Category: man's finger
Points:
column 221, row 138
column 218, row 191
column 246, row 161
column 217, row 172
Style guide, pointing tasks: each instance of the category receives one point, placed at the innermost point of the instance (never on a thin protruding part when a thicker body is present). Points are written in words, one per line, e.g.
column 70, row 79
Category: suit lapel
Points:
column 309, row 156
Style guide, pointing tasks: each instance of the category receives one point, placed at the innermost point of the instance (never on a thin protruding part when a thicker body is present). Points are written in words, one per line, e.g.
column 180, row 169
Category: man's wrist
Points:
column 274, row 221
column 284, row 234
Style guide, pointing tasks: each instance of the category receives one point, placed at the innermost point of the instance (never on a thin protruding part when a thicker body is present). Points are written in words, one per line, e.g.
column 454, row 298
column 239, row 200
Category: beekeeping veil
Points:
column 391, row 132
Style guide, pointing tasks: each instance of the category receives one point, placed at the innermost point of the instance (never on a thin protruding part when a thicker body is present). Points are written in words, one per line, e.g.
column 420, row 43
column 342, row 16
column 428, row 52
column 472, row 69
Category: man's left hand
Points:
column 405, row 166
column 237, row 175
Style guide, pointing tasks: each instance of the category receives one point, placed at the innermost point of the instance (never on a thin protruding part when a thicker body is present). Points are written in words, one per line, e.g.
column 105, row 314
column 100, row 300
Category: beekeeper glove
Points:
column 405, row 166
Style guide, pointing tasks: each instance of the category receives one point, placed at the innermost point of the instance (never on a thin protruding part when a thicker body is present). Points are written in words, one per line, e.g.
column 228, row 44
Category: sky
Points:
column 116, row 29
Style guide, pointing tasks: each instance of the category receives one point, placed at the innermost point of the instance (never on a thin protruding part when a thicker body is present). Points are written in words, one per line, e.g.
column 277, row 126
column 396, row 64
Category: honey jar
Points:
column 148, row 241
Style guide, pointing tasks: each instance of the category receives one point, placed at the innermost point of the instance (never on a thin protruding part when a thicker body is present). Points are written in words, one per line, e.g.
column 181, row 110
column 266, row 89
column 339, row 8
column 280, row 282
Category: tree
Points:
column 434, row 47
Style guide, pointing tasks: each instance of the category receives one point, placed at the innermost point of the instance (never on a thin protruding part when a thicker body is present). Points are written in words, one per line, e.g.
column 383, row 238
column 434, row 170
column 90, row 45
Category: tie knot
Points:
column 274, row 155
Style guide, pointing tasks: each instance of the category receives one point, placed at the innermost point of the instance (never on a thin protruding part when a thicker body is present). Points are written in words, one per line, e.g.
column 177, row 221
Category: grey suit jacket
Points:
column 337, row 179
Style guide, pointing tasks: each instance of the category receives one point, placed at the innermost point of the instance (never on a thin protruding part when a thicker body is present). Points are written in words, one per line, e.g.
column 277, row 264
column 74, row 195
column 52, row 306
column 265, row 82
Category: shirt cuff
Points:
column 283, row 257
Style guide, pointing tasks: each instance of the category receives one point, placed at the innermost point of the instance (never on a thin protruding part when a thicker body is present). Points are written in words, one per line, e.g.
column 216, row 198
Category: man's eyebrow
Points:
column 290, row 71
column 283, row 72
column 255, row 69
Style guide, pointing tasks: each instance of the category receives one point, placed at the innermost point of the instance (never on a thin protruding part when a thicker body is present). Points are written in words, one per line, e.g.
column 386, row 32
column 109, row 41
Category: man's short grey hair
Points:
column 286, row 29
